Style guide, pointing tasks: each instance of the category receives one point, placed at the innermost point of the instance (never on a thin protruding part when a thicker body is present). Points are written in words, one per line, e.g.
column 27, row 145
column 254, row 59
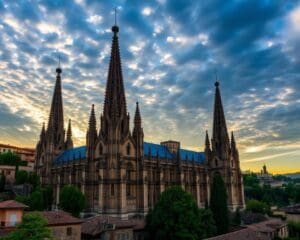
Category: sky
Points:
column 171, row 53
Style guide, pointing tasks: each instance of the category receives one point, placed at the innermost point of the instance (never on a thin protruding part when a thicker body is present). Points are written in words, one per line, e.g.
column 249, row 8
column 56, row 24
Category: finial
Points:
column 115, row 28
column 217, row 82
column 137, row 103
column 58, row 69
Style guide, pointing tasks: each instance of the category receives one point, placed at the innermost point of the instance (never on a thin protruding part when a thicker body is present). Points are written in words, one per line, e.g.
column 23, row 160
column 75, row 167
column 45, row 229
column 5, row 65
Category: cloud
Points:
column 170, row 54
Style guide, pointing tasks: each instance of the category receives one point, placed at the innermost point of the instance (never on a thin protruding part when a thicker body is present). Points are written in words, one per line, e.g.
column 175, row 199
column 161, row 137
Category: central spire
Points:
column 220, row 134
column 115, row 102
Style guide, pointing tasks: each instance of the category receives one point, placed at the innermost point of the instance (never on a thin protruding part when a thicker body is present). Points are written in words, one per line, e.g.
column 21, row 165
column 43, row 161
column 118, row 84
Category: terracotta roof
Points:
column 11, row 204
column 94, row 225
column 60, row 218
column 267, row 226
column 244, row 234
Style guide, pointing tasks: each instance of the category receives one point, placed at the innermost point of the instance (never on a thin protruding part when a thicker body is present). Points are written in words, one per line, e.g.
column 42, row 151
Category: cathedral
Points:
column 121, row 174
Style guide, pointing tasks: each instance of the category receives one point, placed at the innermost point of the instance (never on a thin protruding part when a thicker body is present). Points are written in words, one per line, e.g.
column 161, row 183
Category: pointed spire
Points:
column 137, row 116
column 69, row 141
column 220, row 134
column 207, row 143
column 115, row 102
column 55, row 128
column 43, row 131
column 233, row 144
column 92, row 120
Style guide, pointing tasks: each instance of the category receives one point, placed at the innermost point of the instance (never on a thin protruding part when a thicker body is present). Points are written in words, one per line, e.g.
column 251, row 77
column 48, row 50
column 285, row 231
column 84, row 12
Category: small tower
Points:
column 137, row 133
column 207, row 149
column 69, row 141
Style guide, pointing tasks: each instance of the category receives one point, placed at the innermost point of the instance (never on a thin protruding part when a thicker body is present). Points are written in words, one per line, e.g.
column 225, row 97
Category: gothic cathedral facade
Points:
column 121, row 174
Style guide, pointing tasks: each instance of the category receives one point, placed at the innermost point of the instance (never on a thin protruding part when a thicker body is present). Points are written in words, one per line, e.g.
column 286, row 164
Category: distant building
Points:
column 292, row 212
column 11, row 213
column 266, row 230
column 266, row 178
column 26, row 154
column 120, row 174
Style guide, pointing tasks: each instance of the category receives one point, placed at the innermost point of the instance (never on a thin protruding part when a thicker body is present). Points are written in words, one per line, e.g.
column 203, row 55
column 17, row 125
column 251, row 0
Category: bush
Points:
column 256, row 206
column 72, row 200
column 177, row 216
column 21, row 177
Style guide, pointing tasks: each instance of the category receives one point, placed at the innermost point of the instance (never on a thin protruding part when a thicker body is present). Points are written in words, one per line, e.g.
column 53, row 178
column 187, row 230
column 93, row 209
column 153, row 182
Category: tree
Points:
column 47, row 192
column 236, row 219
column 34, row 180
column 72, row 200
column 177, row 216
column 21, row 177
column 218, row 204
column 2, row 182
column 36, row 201
column 256, row 206
column 33, row 227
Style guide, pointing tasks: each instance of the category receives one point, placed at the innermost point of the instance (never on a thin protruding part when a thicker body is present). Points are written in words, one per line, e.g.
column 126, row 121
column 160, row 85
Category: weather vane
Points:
column 115, row 15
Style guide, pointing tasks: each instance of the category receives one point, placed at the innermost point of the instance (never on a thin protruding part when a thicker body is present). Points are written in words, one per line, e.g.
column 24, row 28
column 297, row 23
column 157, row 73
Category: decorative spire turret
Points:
column 220, row 140
column 138, row 133
column 207, row 143
column 55, row 129
column 69, row 141
column 115, row 110
column 232, row 143
column 92, row 130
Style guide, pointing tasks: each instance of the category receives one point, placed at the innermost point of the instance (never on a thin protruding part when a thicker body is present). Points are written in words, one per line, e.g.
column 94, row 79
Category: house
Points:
column 63, row 225
column 113, row 228
column 271, row 228
column 243, row 234
column 11, row 213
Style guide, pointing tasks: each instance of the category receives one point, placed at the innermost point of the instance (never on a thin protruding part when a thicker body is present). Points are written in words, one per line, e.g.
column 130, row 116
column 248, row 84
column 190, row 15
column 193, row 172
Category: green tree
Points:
column 218, row 204
column 177, row 216
column 33, row 227
column 72, row 200
column 236, row 219
column 22, row 177
column 256, row 206
column 2, row 182
column 36, row 201
column 47, row 196
column 34, row 180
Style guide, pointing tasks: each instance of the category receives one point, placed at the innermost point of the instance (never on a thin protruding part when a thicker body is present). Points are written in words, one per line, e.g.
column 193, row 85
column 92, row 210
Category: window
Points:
column 216, row 162
column 112, row 190
column 13, row 219
column 69, row 231
column 100, row 149
column 128, row 149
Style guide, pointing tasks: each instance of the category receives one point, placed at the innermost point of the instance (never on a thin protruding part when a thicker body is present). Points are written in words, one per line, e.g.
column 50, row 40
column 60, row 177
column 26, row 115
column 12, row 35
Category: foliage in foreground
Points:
column 218, row 204
column 33, row 227
column 72, row 200
column 177, row 216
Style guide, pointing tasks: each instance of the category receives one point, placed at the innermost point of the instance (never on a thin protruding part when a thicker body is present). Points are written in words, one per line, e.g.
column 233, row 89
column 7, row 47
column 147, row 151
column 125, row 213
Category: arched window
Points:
column 128, row 149
column 216, row 162
column 112, row 190
column 100, row 149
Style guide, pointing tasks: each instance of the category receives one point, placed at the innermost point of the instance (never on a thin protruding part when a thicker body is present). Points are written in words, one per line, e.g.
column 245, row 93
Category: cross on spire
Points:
column 115, row 9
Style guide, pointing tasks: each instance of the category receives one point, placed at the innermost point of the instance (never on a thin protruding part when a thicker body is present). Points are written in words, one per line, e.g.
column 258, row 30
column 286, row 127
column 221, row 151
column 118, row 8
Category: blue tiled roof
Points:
column 186, row 155
column 162, row 151
column 71, row 155
column 153, row 150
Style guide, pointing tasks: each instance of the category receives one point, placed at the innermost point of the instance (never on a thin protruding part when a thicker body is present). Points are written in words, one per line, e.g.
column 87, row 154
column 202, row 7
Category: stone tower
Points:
column 223, row 158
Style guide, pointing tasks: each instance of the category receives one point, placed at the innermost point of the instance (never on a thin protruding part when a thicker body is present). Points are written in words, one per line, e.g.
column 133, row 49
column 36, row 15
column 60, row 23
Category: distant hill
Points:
column 292, row 175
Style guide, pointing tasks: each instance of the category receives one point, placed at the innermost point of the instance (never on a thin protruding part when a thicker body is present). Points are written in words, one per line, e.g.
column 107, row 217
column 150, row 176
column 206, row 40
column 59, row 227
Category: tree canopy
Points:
column 72, row 200
column 10, row 158
column 218, row 204
column 33, row 227
column 177, row 216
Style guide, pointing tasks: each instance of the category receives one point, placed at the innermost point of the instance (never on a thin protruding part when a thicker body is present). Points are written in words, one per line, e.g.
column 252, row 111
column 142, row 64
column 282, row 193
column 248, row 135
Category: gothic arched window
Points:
column 100, row 149
column 216, row 162
column 128, row 148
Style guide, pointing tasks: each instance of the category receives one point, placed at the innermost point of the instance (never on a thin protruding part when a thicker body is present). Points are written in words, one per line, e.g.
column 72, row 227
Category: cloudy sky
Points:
column 170, row 51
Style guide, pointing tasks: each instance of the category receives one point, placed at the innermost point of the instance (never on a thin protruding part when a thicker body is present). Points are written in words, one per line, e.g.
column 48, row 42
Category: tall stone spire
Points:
column 115, row 111
column 55, row 129
column 92, row 130
column 137, row 133
column 220, row 140
column 69, row 141
column 207, row 143
column 232, row 143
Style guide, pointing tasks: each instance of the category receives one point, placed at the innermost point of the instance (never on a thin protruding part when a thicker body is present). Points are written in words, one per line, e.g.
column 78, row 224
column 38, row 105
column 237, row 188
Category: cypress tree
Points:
column 218, row 204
